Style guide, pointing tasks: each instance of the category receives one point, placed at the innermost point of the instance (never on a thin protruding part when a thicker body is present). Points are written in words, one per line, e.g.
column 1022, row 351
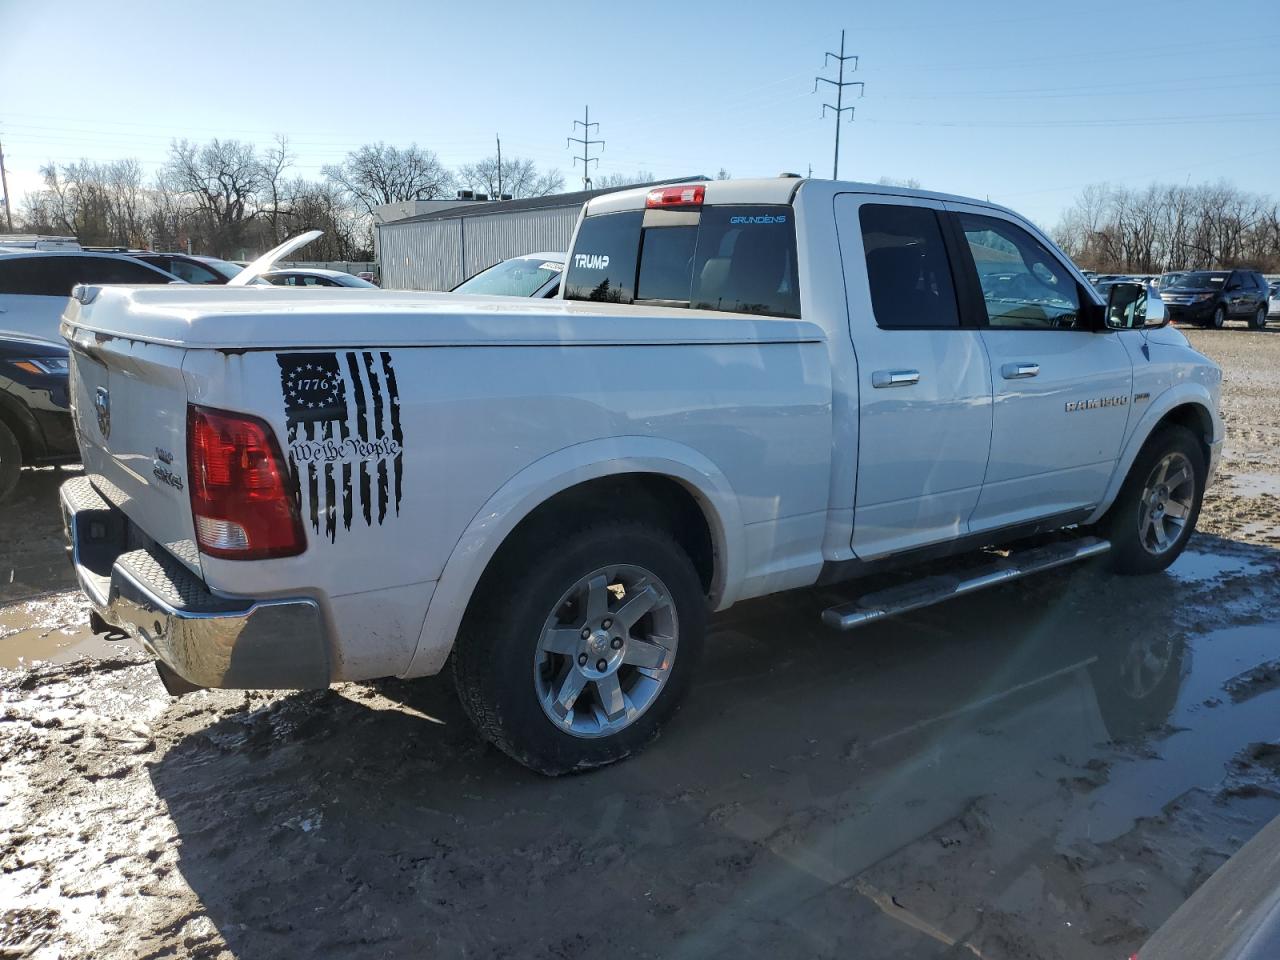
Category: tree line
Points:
column 1161, row 227
column 229, row 198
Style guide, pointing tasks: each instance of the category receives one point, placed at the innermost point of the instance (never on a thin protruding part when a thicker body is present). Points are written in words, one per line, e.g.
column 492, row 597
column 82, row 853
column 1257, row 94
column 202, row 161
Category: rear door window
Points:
column 908, row 270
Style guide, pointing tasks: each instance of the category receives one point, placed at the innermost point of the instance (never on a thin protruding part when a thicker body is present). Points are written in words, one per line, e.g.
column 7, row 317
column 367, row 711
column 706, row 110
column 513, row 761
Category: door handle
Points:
column 895, row 378
column 1019, row 371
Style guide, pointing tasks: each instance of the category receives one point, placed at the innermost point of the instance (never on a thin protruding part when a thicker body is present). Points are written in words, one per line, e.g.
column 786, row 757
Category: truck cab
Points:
column 981, row 388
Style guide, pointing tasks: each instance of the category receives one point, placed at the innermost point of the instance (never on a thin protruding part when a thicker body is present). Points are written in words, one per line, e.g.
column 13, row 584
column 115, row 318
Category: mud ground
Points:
column 1046, row 770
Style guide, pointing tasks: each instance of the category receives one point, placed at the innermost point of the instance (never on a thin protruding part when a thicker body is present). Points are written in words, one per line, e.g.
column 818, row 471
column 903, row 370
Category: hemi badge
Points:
column 1141, row 397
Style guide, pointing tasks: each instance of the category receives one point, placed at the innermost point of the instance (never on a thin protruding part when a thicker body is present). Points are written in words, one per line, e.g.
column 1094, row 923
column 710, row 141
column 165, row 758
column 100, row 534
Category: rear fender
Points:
column 557, row 472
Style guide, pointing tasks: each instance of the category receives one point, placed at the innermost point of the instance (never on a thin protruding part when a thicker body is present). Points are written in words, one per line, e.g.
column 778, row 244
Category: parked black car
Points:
column 35, row 408
column 193, row 269
column 1206, row 297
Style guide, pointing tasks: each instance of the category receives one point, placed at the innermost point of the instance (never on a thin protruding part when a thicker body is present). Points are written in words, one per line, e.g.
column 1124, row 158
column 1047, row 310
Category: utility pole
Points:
column 587, row 144
column 4, row 180
column 499, row 139
column 839, row 84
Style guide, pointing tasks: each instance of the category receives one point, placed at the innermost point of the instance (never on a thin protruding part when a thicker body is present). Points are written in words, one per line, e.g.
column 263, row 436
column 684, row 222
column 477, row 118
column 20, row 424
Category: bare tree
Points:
column 100, row 203
column 622, row 179
column 1164, row 227
column 324, row 206
column 377, row 173
column 275, row 198
column 520, row 177
column 909, row 182
column 224, row 179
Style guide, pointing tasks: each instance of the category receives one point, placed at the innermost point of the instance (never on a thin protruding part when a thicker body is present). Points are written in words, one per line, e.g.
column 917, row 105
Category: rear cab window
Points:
column 732, row 258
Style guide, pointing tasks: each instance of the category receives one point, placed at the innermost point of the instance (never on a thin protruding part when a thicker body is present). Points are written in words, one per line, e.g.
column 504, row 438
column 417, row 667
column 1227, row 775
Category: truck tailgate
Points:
column 130, row 407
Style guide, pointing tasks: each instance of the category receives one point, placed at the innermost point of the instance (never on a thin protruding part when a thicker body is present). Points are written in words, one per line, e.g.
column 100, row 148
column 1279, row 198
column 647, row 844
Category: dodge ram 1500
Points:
column 743, row 387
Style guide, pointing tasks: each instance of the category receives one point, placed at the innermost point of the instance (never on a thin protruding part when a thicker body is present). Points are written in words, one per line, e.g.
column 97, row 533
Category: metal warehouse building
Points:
column 440, row 249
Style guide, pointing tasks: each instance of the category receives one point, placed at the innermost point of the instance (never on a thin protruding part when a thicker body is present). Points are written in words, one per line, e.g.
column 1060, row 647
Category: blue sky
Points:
column 1023, row 102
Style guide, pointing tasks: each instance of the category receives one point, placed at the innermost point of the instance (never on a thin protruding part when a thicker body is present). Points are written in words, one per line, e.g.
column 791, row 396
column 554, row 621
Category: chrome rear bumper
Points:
column 206, row 639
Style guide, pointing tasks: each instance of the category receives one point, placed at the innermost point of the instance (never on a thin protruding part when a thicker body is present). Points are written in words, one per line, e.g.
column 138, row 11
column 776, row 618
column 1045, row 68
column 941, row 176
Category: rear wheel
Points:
column 1156, row 511
column 10, row 461
column 575, row 651
column 1219, row 317
column 1260, row 319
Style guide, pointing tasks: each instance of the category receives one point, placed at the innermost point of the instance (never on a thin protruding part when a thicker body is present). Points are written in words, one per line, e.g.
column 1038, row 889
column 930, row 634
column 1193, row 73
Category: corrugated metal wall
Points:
column 439, row 254
column 420, row 256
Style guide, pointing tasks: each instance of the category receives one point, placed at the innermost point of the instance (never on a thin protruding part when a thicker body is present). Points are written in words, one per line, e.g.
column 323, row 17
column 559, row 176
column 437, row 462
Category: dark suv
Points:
column 1206, row 297
column 35, row 407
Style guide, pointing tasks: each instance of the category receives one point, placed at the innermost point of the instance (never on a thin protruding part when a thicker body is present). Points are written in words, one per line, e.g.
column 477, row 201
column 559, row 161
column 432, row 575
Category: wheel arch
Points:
column 1188, row 405
column 674, row 475
column 19, row 420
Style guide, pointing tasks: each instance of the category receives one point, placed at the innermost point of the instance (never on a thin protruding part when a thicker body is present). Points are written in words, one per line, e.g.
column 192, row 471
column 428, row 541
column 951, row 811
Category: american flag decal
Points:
column 346, row 445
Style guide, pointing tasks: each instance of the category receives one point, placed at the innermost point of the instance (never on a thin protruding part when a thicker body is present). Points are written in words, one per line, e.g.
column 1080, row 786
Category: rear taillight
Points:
column 240, row 497
column 688, row 196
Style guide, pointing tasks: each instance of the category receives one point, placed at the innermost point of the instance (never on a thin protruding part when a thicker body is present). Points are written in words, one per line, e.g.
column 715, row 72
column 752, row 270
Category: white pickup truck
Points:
column 743, row 387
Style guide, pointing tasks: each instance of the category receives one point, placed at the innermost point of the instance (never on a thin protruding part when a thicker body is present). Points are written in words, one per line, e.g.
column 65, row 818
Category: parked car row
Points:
column 1207, row 297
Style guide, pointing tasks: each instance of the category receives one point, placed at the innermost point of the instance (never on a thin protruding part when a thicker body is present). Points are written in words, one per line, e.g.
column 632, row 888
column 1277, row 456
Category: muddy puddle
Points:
column 995, row 773
column 49, row 628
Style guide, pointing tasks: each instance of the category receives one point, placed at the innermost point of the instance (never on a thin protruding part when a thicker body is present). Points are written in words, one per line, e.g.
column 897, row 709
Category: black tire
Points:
column 1219, row 317
column 497, row 646
column 1123, row 523
column 10, row 461
column 1260, row 319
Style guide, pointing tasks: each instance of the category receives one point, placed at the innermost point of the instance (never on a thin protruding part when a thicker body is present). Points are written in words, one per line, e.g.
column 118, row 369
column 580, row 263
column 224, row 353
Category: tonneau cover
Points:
column 260, row 318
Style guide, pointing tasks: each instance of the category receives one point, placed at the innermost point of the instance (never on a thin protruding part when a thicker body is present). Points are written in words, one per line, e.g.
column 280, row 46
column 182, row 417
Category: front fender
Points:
column 552, row 474
column 1181, row 394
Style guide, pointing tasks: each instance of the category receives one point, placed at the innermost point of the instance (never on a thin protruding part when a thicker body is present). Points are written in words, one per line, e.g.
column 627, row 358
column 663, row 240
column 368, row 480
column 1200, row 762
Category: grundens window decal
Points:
column 346, row 447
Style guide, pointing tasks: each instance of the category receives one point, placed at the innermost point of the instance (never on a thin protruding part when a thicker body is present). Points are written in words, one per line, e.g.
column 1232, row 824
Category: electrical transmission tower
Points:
column 587, row 143
column 839, row 84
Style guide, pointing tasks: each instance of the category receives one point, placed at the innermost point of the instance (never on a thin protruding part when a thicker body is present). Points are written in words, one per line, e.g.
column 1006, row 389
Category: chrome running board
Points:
column 930, row 590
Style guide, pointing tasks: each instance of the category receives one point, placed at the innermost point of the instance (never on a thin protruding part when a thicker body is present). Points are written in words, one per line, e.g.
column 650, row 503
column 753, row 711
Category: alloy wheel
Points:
column 606, row 651
column 1166, row 503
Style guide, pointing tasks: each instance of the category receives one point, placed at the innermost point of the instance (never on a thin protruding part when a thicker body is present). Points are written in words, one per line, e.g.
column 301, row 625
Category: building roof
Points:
column 484, row 208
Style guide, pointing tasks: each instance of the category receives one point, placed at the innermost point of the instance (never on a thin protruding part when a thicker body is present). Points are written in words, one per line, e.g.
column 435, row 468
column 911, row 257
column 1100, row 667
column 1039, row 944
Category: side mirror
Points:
column 1133, row 306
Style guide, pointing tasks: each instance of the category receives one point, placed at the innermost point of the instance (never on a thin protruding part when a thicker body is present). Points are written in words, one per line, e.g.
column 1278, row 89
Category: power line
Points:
column 839, row 84
column 587, row 144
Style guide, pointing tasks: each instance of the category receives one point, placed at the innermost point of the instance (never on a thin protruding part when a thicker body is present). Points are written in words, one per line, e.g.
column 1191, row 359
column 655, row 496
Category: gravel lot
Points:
column 1045, row 770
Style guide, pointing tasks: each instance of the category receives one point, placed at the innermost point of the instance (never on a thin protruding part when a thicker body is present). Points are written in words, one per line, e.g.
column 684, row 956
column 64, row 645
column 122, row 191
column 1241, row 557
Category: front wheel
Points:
column 1260, row 319
column 1156, row 510
column 580, row 644
column 1219, row 317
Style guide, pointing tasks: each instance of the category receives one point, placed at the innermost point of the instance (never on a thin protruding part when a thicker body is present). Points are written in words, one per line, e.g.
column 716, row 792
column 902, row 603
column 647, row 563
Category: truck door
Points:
column 923, row 380
column 1062, row 390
